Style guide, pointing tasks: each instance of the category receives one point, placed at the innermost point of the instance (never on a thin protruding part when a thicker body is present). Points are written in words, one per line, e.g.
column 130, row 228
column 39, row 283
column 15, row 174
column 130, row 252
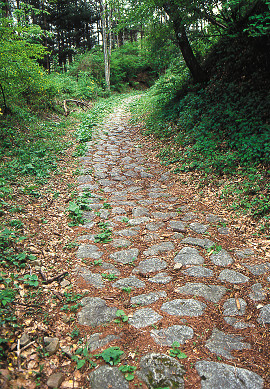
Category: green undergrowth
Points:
column 220, row 130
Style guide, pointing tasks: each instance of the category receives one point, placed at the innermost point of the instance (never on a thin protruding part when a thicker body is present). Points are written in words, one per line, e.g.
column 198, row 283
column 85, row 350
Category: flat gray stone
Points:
column 198, row 271
column 107, row 377
column 244, row 253
column 189, row 216
column 160, row 371
column 148, row 298
column 214, row 218
column 144, row 317
column 259, row 269
column 140, row 211
column 89, row 251
column 118, row 211
column 176, row 333
column 233, row 276
column 109, row 268
column 230, row 307
column 159, row 248
column 163, row 215
column 104, row 213
column 154, row 226
column 121, row 243
column 177, row 226
column 237, row 322
column 55, row 380
column 151, row 265
column 94, row 279
column 221, row 258
column 205, row 243
column 161, row 278
column 257, row 293
column 125, row 256
column 128, row 232
column 216, row 375
column 130, row 282
column 94, row 341
column 184, row 307
column 212, row 293
column 95, row 312
column 264, row 316
column 223, row 231
column 189, row 256
column 84, row 179
column 139, row 220
column 222, row 344
column 198, row 227
column 90, row 237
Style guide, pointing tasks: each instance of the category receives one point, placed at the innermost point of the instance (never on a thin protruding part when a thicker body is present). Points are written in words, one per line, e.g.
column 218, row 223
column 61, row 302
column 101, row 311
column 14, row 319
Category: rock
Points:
column 65, row 283
column 94, row 279
column 118, row 211
column 259, row 269
column 163, row 215
column 24, row 340
column 198, row 227
column 212, row 293
column 144, row 317
column 233, row 276
column 154, row 226
column 125, row 256
column 177, row 266
column 177, row 226
column 140, row 211
column 94, row 341
column 130, row 282
column 55, row 380
column 230, row 308
column 198, row 271
column 147, row 298
column 222, row 344
column 121, row 243
column 151, row 265
column 222, row 258
column 223, row 231
column 205, row 243
column 51, row 345
column 237, row 323
column 189, row 256
column 110, row 268
column 214, row 218
column 244, row 253
column 161, row 278
column 160, row 371
column 89, row 251
column 188, row 216
column 216, row 375
column 159, row 248
column 95, row 312
column 176, row 333
column 139, row 220
column 264, row 316
column 184, row 307
column 105, row 377
column 257, row 292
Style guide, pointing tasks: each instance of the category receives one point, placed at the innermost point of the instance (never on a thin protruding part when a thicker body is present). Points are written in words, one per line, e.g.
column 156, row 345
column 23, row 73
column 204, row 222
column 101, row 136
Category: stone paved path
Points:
column 175, row 271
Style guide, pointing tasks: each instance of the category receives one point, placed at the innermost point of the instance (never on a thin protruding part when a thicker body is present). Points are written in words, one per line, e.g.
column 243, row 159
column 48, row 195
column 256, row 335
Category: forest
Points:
column 199, row 71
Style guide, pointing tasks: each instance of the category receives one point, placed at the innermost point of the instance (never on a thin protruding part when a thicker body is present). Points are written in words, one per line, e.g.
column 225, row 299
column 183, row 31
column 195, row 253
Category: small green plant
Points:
column 126, row 289
column 107, row 206
column 109, row 277
column 111, row 355
column 105, row 235
column 128, row 370
column 31, row 280
column 82, row 356
column 122, row 316
column 175, row 352
column 71, row 245
column 98, row 262
column 125, row 220
column 17, row 224
column 75, row 213
column 215, row 249
column 75, row 333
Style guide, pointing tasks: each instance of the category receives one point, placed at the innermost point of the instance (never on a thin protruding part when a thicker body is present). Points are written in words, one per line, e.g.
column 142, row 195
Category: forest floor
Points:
column 159, row 288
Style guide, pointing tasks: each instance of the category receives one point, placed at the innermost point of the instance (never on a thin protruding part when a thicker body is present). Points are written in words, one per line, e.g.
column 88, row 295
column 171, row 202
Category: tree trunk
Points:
column 197, row 72
column 105, row 43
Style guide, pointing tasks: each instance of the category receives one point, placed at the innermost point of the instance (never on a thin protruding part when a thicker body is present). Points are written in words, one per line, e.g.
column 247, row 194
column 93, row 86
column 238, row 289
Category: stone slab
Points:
column 95, row 312
column 230, row 307
column 184, row 307
column 159, row 248
column 221, row 258
column 176, row 333
column 233, row 276
column 105, row 377
column 189, row 256
column 212, row 293
column 198, row 271
column 125, row 256
column 205, row 243
column 88, row 251
column 148, row 298
column 144, row 317
column 216, row 375
column 151, row 265
column 129, row 282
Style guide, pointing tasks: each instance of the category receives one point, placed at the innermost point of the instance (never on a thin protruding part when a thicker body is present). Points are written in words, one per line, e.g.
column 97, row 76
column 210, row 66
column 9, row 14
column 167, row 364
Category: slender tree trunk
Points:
column 197, row 72
column 105, row 43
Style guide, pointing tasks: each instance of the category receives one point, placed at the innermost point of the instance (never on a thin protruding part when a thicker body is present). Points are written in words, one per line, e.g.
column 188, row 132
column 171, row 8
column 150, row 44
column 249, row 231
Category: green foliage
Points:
column 82, row 356
column 106, row 233
column 122, row 316
column 175, row 352
column 129, row 371
column 110, row 277
column 31, row 280
column 111, row 355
